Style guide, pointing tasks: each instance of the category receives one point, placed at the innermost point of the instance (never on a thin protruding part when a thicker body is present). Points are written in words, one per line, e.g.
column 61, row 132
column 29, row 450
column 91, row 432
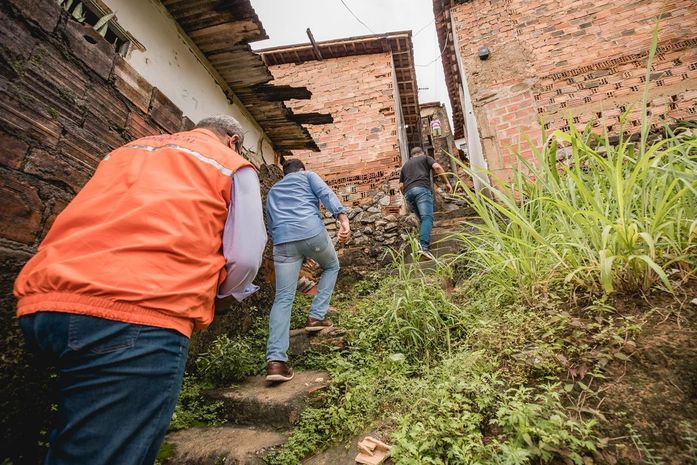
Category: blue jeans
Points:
column 420, row 200
column 119, row 384
column 288, row 259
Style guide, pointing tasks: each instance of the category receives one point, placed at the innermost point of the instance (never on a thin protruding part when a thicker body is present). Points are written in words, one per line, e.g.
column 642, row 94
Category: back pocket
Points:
column 100, row 336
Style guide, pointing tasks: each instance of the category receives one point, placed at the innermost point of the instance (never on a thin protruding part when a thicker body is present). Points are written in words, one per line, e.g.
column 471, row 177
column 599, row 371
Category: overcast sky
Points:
column 285, row 22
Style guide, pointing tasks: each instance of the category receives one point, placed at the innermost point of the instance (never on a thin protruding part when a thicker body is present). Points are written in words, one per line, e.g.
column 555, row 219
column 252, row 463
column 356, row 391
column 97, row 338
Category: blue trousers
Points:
column 119, row 384
column 420, row 200
column 288, row 259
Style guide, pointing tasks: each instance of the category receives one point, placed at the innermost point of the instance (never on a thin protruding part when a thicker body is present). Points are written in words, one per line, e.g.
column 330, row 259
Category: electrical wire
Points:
column 447, row 37
column 357, row 18
column 423, row 28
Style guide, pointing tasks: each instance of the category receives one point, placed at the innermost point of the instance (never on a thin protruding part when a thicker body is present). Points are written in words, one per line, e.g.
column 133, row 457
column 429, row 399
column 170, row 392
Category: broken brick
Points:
column 45, row 13
column 90, row 47
column 65, row 169
column 20, row 211
column 164, row 112
column 13, row 150
column 131, row 84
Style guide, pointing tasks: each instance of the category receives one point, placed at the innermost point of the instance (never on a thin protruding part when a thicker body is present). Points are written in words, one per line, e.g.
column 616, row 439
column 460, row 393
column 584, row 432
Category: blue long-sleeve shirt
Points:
column 292, row 207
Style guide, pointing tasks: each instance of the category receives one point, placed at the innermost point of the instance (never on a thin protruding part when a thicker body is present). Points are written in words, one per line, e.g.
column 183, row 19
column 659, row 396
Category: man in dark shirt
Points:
column 415, row 183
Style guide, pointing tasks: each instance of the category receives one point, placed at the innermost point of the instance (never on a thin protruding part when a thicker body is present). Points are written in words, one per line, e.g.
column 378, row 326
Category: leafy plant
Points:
column 193, row 409
column 230, row 359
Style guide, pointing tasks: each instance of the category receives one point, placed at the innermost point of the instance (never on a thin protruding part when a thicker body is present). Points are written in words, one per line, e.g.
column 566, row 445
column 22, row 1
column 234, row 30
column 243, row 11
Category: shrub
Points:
column 230, row 359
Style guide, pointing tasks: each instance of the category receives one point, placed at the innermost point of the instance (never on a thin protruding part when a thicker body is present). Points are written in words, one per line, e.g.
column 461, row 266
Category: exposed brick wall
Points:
column 443, row 146
column 552, row 58
column 359, row 151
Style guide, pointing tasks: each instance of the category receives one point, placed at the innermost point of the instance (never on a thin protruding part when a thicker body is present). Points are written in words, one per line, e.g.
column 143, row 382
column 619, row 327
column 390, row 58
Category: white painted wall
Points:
column 169, row 64
column 475, row 152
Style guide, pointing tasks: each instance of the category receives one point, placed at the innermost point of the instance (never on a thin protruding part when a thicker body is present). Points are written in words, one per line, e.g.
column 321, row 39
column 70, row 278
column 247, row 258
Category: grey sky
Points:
column 285, row 22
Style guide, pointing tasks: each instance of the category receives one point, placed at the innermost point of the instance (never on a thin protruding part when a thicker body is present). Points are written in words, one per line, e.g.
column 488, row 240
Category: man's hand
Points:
column 224, row 303
column 344, row 233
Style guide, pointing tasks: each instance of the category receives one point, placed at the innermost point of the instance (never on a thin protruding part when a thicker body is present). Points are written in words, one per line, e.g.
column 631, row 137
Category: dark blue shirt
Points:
column 292, row 207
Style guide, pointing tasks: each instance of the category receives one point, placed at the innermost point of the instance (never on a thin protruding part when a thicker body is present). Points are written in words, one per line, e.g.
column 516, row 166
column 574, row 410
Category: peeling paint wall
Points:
column 169, row 64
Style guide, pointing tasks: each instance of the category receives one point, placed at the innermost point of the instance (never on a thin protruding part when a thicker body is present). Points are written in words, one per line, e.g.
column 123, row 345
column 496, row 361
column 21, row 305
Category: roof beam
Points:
column 315, row 48
column 281, row 93
column 312, row 118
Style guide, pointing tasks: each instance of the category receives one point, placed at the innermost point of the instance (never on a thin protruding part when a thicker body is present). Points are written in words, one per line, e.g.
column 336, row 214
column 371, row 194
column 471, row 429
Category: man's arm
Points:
column 440, row 172
column 244, row 237
column 332, row 203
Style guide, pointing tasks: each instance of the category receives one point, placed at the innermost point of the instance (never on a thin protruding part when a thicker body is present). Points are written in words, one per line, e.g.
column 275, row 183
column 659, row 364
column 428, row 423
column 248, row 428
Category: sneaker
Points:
column 313, row 325
column 278, row 371
column 426, row 255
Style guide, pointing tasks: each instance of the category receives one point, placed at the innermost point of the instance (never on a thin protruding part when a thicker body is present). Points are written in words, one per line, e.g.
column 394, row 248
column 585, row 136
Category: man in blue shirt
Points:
column 297, row 230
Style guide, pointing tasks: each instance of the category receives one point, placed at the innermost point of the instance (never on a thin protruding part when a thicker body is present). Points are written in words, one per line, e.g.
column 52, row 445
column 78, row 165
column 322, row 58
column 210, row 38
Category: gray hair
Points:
column 416, row 151
column 224, row 125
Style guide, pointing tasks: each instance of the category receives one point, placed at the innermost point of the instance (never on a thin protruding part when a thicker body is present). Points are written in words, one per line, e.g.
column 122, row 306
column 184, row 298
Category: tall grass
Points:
column 590, row 212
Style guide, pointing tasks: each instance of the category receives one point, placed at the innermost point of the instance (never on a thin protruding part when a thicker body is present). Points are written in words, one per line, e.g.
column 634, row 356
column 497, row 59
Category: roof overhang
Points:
column 441, row 11
column 222, row 30
column 399, row 44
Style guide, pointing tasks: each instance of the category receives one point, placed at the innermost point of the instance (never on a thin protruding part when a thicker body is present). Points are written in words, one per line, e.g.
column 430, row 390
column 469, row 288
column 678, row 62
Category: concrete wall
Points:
column 550, row 59
column 170, row 64
column 360, row 151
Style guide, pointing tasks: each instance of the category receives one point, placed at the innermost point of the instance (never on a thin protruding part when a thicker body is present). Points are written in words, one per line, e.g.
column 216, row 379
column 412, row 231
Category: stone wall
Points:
column 551, row 59
column 66, row 100
column 360, row 149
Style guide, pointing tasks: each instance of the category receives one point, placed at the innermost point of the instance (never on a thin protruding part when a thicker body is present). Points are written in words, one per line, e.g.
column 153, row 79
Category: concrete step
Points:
column 453, row 222
column 323, row 341
column 226, row 444
column 455, row 213
column 272, row 405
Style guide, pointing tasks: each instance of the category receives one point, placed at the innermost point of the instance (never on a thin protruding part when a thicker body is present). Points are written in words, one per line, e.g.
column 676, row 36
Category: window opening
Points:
column 96, row 14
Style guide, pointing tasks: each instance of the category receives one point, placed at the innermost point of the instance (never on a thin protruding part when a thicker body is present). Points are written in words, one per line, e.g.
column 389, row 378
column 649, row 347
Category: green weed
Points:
column 230, row 359
column 193, row 409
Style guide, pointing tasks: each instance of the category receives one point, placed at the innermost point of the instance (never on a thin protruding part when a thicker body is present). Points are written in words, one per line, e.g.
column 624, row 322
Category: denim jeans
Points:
column 288, row 259
column 119, row 384
column 420, row 200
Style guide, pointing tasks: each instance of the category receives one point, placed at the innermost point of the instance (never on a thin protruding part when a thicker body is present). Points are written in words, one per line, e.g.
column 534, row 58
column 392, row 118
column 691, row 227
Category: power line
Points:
column 357, row 18
column 447, row 37
column 423, row 28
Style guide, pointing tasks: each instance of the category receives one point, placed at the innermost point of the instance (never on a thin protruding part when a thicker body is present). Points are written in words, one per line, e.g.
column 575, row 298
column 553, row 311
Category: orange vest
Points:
column 142, row 241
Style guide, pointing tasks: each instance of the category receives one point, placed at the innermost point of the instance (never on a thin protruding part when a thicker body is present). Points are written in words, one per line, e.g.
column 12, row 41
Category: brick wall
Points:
column 443, row 147
column 553, row 58
column 359, row 151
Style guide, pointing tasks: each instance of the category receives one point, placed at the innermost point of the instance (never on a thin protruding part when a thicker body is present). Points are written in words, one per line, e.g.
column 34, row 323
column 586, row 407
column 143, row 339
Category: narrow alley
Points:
column 328, row 232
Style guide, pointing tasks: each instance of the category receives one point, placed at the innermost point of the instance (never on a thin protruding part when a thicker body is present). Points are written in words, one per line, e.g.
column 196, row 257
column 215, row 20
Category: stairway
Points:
column 446, row 222
column 258, row 415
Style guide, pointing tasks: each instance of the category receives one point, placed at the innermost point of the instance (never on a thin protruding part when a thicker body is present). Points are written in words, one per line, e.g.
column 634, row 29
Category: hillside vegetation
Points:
column 561, row 333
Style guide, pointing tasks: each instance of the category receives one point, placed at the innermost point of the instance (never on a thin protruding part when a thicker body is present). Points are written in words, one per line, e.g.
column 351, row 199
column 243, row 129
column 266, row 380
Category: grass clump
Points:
column 609, row 216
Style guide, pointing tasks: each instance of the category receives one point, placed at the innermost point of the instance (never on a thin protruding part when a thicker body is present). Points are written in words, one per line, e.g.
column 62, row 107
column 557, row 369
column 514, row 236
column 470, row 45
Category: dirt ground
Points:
column 656, row 391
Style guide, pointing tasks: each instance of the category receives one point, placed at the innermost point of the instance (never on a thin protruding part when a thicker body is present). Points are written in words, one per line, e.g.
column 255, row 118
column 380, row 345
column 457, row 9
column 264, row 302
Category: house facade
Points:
column 515, row 68
column 368, row 86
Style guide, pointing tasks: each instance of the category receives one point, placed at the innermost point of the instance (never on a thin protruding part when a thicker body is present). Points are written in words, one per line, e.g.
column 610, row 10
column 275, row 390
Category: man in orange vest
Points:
column 128, row 270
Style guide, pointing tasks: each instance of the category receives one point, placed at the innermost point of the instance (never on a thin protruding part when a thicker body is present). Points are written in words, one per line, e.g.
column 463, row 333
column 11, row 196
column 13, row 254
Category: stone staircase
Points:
column 446, row 222
column 258, row 415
